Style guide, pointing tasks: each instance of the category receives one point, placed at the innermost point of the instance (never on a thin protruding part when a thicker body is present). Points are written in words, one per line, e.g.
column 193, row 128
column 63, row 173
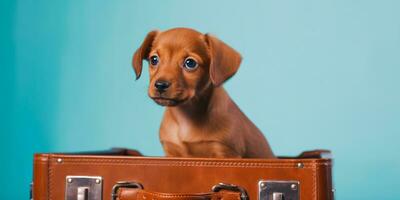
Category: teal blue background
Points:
column 315, row 74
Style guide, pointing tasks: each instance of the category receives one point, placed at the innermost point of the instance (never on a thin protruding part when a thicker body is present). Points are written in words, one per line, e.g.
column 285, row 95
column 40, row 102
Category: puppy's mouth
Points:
column 167, row 101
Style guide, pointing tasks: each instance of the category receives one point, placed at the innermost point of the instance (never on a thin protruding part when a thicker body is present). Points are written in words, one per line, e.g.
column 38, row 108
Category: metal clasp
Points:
column 278, row 190
column 123, row 184
column 84, row 188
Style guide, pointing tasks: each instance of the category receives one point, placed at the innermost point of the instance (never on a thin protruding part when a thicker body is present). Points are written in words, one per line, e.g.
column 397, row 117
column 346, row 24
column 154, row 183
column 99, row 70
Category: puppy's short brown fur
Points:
column 187, row 69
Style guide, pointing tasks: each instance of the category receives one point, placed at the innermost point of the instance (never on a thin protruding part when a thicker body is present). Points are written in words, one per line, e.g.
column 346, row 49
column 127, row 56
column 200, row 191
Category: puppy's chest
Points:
column 181, row 134
column 184, row 139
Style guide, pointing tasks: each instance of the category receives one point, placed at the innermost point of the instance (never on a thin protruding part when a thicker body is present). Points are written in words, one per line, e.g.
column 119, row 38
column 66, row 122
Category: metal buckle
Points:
column 278, row 190
column 84, row 188
column 123, row 184
column 231, row 187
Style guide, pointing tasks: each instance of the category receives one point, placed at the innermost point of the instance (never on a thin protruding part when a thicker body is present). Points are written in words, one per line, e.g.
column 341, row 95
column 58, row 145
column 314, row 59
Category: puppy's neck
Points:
column 200, row 108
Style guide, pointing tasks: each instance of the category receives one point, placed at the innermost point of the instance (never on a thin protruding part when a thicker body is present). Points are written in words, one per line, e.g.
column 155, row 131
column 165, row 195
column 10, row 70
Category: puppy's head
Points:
column 183, row 63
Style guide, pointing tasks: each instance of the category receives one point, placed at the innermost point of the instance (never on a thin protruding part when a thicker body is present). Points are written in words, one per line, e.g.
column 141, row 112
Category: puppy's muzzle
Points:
column 162, row 86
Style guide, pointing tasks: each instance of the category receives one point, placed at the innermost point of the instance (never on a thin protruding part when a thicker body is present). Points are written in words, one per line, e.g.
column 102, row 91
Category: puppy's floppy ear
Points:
column 142, row 53
column 224, row 60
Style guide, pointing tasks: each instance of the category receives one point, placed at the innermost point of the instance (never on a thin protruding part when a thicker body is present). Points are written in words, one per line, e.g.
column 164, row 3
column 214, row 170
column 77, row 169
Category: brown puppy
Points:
column 187, row 69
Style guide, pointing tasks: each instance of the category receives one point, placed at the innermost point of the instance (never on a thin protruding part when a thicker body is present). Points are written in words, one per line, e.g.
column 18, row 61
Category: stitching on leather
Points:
column 324, row 162
column 186, row 163
column 316, row 180
column 195, row 163
column 49, row 178
column 315, row 183
column 171, row 165
column 204, row 163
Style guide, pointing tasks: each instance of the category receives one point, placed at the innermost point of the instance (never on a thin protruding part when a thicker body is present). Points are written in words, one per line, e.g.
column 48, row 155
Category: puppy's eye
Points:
column 154, row 60
column 190, row 64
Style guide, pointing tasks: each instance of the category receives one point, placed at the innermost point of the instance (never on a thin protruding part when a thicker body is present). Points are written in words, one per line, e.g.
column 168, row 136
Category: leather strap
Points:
column 140, row 194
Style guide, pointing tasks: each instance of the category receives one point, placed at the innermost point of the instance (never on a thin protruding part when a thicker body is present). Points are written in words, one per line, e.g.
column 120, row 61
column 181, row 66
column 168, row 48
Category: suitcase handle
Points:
column 135, row 191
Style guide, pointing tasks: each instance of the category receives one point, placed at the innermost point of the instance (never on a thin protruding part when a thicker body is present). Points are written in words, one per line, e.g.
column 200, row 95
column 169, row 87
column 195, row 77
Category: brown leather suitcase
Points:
column 126, row 175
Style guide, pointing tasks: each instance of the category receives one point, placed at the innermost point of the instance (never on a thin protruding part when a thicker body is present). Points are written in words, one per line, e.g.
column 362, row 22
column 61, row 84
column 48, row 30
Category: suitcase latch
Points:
column 83, row 188
column 278, row 190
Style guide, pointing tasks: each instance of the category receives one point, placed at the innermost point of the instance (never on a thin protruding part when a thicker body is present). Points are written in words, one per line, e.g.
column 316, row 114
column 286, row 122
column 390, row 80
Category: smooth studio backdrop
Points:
column 315, row 74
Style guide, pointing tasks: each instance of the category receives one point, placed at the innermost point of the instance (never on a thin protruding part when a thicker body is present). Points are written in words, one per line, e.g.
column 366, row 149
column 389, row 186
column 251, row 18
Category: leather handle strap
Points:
column 134, row 191
column 141, row 194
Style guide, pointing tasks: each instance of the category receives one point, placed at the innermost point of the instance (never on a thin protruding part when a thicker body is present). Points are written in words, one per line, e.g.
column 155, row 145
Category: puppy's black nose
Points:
column 162, row 85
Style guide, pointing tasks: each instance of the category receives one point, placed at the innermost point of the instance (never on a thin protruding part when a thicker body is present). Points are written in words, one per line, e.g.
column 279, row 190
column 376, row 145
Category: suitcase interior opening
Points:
column 126, row 174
